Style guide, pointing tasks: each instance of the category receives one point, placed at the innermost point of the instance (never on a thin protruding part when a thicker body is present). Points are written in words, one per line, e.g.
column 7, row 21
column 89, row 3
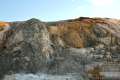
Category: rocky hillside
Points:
column 86, row 32
column 78, row 46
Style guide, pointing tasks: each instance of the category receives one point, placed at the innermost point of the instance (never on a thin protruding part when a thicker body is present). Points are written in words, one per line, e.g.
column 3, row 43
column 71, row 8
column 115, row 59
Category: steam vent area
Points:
column 75, row 49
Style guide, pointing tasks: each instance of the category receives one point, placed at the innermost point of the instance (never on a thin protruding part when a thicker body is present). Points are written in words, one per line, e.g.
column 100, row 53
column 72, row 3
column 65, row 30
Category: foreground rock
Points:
column 42, row 77
column 27, row 49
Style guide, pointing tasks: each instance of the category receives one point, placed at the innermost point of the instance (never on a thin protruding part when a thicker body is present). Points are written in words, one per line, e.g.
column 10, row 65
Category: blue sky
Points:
column 51, row 10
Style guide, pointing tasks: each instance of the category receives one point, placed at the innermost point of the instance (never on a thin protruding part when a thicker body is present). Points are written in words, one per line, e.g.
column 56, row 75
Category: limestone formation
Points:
column 61, row 47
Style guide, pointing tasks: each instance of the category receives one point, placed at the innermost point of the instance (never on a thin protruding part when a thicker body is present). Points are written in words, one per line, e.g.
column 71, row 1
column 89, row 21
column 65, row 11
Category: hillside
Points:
column 77, row 46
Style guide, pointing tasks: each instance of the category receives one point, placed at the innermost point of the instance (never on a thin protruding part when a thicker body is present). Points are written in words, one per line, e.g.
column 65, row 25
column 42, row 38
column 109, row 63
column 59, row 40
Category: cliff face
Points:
column 27, row 47
column 58, row 47
column 86, row 32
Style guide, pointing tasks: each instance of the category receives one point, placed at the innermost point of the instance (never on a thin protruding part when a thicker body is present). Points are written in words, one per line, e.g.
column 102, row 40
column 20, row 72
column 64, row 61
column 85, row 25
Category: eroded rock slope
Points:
column 70, row 46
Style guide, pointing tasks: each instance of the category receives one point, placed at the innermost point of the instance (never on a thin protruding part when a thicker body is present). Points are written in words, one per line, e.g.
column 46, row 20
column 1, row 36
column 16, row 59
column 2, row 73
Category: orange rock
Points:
column 4, row 24
column 76, row 33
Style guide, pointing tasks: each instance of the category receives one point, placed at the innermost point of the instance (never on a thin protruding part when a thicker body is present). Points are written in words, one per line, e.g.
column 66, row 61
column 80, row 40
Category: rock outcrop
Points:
column 58, row 47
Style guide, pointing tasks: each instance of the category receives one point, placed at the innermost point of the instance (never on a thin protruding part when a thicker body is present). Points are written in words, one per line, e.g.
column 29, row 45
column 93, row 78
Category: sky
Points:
column 54, row 10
